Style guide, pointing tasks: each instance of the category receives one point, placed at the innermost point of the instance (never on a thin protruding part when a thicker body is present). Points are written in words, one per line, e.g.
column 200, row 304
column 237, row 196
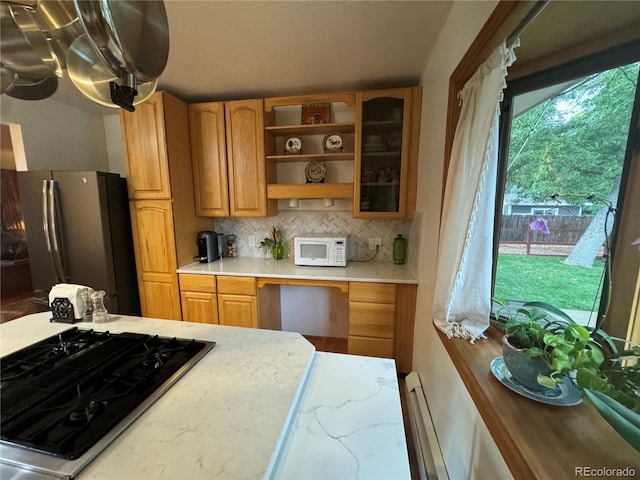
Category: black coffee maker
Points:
column 209, row 246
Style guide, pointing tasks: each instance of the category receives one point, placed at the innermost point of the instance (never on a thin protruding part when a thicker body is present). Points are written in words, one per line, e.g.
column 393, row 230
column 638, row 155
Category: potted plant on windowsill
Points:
column 543, row 346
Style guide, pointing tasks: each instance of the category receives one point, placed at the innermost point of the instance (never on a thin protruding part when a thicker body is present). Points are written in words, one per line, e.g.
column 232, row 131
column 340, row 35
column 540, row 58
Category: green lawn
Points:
column 548, row 279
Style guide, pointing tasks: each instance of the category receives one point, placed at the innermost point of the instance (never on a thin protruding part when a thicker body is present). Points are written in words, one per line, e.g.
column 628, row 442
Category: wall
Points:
column 329, row 316
column 467, row 446
column 57, row 136
column 113, row 140
column 299, row 221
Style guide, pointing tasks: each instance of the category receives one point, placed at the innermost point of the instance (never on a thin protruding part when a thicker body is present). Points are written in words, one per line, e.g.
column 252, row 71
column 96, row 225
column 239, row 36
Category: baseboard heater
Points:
column 429, row 457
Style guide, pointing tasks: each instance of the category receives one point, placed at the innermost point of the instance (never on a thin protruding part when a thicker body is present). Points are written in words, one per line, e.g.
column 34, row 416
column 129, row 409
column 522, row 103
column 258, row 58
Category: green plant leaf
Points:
column 551, row 309
column 587, row 377
column 578, row 332
column 623, row 420
column 546, row 381
column 534, row 352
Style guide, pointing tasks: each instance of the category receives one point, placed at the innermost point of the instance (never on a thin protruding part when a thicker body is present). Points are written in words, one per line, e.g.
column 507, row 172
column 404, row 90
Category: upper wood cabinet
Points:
column 248, row 176
column 386, row 153
column 209, row 157
column 145, row 149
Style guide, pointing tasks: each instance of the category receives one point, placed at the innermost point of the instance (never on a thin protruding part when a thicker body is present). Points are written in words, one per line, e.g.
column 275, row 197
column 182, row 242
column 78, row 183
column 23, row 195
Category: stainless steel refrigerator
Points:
column 78, row 230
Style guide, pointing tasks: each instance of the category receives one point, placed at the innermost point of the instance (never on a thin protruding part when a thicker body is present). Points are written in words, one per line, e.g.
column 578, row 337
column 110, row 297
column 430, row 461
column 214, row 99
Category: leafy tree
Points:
column 573, row 145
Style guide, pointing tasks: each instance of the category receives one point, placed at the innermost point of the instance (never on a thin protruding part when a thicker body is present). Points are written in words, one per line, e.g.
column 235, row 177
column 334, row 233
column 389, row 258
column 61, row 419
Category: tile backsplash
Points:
column 294, row 223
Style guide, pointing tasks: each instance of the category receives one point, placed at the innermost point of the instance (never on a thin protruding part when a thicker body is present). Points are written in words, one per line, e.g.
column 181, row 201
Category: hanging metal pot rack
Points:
column 113, row 51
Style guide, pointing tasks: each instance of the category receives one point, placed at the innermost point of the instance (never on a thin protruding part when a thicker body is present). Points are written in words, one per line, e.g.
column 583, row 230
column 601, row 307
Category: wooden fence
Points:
column 563, row 230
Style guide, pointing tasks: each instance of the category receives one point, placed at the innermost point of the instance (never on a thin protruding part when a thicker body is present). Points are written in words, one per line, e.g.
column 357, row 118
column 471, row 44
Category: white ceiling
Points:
column 223, row 50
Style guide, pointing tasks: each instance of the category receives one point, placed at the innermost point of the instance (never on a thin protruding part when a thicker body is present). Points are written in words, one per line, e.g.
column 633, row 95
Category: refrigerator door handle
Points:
column 57, row 255
column 45, row 215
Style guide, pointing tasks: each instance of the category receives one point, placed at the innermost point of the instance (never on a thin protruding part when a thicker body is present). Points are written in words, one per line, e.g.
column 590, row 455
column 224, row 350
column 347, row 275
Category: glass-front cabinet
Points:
column 387, row 130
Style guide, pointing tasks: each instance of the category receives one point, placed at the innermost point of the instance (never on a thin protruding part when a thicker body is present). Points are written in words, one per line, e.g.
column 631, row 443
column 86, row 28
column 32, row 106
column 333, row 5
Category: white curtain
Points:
column 462, row 301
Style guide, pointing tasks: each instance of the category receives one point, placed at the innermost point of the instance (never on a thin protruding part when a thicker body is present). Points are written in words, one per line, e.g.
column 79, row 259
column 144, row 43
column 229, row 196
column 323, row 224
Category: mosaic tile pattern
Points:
column 299, row 222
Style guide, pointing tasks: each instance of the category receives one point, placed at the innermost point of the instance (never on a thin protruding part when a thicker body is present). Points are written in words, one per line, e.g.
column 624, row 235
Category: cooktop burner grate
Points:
column 63, row 394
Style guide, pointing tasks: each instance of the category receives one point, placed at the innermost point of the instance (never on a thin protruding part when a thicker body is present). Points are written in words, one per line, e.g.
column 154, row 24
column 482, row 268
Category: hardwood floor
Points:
column 339, row 345
column 19, row 305
column 328, row 344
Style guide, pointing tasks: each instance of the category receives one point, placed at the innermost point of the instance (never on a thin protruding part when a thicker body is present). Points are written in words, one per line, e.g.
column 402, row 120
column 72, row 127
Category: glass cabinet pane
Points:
column 381, row 154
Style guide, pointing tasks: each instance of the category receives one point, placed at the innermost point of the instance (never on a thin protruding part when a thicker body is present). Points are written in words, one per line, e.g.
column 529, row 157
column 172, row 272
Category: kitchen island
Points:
column 261, row 404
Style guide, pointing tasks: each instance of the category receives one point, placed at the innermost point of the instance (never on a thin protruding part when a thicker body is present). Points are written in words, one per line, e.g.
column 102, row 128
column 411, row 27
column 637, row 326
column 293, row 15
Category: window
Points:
column 564, row 167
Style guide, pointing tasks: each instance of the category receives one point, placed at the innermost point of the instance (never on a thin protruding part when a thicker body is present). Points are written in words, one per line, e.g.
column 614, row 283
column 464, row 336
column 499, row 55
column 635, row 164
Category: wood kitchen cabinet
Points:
column 155, row 268
column 237, row 304
column 381, row 321
column 386, row 153
column 372, row 314
column 198, row 298
column 209, row 158
column 248, row 174
column 277, row 132
column 145, row 145
column 228, row 149
column 160, row 184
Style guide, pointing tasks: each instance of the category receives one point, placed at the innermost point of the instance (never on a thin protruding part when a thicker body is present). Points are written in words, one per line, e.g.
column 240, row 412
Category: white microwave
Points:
column 321, row 250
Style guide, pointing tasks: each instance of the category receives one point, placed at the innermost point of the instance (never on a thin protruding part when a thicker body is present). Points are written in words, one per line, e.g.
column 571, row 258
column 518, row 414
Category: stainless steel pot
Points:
column 7, row 78
column 26, row 88
column 92, row 76
column 17, row 51
column 130, row 36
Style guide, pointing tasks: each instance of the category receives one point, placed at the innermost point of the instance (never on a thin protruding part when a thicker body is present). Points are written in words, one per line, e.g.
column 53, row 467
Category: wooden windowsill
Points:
column 535, row 439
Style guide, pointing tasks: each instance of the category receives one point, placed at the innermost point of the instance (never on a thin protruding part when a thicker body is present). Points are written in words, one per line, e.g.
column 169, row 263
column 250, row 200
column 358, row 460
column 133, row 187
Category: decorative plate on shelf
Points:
column 315, row 172
column 333, row 143
column 292, row 145
column 565, row 394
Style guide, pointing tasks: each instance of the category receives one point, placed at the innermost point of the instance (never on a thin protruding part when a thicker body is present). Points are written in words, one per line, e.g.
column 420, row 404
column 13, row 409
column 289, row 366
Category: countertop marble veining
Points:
column 379, row 272
column 349, row 423
column 261, row 404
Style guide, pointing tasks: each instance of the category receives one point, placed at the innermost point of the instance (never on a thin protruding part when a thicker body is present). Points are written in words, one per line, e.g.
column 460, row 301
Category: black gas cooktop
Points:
column 63, row 394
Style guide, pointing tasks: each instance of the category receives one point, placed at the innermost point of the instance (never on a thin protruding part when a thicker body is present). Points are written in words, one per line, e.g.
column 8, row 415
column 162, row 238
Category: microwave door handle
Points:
column 57, row 255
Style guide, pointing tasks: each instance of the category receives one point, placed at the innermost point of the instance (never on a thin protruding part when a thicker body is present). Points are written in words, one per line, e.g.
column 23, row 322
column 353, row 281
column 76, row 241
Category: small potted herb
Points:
column 267, row 244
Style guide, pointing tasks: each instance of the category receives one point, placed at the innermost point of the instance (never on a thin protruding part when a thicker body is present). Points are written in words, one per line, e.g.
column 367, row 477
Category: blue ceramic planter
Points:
column 524, row 370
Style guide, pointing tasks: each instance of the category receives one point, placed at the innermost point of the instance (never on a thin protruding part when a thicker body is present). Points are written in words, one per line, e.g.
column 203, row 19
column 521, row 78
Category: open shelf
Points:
column 312, row 129
column 324, row 157
column 381, row 184
column 310, row 190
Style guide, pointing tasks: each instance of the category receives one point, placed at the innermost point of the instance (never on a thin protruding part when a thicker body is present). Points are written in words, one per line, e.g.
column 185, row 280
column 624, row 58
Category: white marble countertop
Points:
column 379, row 272
column 223, row 419
column 262, row 403
column 349, row 423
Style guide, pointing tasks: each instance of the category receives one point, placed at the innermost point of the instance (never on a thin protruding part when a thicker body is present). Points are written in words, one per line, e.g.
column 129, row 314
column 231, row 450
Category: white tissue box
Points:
column 71, row 292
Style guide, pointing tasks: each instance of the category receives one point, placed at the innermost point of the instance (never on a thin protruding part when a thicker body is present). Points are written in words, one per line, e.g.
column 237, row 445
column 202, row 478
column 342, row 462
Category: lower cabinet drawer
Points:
column 197, row 283
column 372, row 292
column 237, row 285
column 371, row 347
column 371, row 320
